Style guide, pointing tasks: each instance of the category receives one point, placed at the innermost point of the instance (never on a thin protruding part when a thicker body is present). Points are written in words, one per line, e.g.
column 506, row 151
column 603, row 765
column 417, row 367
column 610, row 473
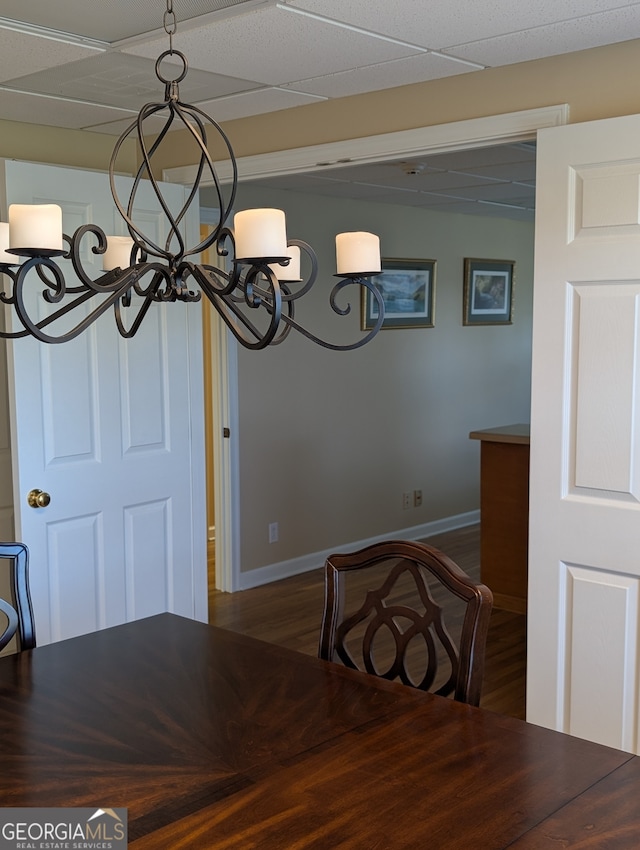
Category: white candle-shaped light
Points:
column 357, row 253
column 4, row 244
column 260, row 233
column 36, row 226
column 292, row 271
column 118, row 253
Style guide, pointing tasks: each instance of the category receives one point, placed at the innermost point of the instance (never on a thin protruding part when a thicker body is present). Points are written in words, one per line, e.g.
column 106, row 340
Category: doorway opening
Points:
column 503, row 197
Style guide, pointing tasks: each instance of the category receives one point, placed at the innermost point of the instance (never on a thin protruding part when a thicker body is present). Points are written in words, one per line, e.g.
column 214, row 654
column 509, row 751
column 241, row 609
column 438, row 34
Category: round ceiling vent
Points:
column 413, row 167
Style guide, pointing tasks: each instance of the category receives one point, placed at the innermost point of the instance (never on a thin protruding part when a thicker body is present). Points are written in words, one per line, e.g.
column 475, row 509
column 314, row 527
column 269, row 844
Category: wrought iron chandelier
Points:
column 256, row 296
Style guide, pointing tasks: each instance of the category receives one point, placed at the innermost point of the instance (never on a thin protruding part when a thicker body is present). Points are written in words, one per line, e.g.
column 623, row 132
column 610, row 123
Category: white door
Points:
column 112, row 429
column 584, row 558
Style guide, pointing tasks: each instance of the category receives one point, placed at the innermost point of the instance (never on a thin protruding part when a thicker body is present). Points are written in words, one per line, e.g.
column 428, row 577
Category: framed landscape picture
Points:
column 408, row 290
column 488, row 292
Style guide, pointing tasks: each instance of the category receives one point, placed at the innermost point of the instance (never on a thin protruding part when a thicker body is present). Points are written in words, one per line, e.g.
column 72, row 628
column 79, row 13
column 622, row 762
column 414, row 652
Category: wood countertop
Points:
column 504, row 434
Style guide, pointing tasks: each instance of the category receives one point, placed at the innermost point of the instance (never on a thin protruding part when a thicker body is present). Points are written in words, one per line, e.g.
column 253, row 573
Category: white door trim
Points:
column 440, row 138
column 226, row 463
column 422, row 141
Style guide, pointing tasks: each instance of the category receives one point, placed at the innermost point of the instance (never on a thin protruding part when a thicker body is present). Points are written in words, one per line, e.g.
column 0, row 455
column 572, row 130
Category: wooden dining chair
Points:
column 18, row 612
column 389, row 629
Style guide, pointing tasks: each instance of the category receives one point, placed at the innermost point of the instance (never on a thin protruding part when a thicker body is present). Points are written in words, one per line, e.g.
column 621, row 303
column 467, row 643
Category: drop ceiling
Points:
column 494, row 181
column 90, row 65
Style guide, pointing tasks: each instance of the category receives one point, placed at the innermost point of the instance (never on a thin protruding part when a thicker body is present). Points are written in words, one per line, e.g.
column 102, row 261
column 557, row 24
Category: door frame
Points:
column 422, row 141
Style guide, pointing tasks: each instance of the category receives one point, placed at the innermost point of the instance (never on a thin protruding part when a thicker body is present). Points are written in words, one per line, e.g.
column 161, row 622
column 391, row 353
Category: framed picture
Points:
column 408, row 290
column 488, row 292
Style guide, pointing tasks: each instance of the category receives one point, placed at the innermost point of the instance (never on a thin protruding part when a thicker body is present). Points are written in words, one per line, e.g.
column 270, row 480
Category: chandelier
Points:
column 254, row 287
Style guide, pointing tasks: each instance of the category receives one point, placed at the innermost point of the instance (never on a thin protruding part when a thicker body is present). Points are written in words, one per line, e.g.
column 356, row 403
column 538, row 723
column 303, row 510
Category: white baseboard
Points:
column 314, row 560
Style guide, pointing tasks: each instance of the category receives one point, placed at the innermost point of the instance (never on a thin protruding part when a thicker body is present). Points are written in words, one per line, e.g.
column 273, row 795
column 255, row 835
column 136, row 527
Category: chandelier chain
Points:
column 170, row 23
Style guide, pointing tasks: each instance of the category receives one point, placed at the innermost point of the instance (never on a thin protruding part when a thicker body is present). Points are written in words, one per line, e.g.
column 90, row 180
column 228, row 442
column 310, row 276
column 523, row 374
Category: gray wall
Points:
column 330, row 441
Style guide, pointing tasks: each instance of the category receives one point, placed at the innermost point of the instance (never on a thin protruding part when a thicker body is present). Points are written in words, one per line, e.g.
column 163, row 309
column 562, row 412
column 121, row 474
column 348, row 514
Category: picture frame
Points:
column 408, row 290
column 488, row 292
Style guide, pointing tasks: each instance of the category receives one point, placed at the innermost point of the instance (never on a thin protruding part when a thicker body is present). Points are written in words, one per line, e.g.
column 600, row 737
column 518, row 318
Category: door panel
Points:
column 603, row 643
column 112, row 429
column 76, row 573
column 69, row 407
column 604, row 356
column 148, row 558
column 584, row 570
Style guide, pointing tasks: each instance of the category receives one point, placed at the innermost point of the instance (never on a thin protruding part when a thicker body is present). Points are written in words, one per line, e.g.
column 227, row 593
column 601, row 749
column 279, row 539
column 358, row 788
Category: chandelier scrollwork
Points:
column 254, row 290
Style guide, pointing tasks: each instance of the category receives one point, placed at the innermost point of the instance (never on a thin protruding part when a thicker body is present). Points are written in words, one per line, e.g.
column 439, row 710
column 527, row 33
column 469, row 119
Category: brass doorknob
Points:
column 38, row 498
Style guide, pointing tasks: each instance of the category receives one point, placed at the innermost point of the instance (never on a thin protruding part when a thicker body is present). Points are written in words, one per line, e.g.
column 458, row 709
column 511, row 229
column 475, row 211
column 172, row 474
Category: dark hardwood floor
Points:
column 288, row 613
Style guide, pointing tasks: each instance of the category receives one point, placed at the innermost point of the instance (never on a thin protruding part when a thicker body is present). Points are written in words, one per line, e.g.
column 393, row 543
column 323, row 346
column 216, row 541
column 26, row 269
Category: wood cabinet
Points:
column 504, row 513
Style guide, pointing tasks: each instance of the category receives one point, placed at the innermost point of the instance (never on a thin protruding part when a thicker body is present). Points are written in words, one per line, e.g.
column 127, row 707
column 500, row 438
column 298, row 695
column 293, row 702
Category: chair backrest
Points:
column 18, row 610
column 428, row 572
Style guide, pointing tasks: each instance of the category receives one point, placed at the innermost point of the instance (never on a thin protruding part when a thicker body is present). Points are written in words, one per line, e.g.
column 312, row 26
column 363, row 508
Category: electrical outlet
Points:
column 417, row 498
column 273, row 532
column 406, row 501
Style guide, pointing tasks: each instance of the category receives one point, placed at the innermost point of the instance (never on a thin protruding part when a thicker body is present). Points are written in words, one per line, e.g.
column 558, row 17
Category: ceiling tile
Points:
column 397, row 72
column 117, row 128
column 578, row 34
column 433, row 24
column 479, row 209
column 33, row 109
column 247, row 46
column 491, row 192
column 255, row 103
column 108, row 20
column 483, row 156
column 521, row 171
column 419, row 200
column 98, row 124
column 23, row 53
column 397, row 174
column 438, row 181
column 294, row 182
column 128, row 82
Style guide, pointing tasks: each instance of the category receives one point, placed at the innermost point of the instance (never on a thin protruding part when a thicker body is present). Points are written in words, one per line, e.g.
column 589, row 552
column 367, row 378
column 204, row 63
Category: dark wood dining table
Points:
column 212, row 739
